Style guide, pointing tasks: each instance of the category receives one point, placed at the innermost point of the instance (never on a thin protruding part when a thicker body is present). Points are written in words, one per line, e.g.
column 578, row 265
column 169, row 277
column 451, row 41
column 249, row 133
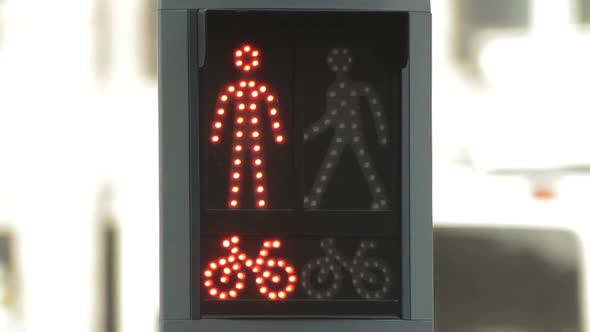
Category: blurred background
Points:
column 79, row 165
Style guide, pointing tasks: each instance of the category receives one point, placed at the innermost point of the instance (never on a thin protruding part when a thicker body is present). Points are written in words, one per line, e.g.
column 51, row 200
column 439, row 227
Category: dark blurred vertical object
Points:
column 492, row 279
column 103, row 12
column 148, row 39
column 109, row 264
column 474, row 16
column 9, row 301
column 583, row 10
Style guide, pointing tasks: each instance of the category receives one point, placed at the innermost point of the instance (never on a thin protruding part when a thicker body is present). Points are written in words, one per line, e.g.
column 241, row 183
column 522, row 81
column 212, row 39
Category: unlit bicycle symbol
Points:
column 322, row 277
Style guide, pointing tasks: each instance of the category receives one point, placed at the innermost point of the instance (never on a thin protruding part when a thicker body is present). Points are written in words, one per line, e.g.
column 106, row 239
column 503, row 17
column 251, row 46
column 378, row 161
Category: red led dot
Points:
column 270, row 98
column 259, row 175
column 223, row 296
column 238, row 148
column 281, row 263
column 208, row 283
column 289, row 269
column 262, row 253
column 236, row 175
column 239, row 63
column 241, row 106
column 289, row 288
column 261, row 203
column 254, row 120
column 224, row 279
column 262, row 89
column 238, row 162
column 222, row 261
column 233, row 203
column 276, row 244
column 256, row 148
column 282, row 295
column 224, row 98
column 272, row 295
column 234, row 250
column 263, row 290
column 239, row 93
column 213, row 292
column 213, row 265
column 256, row 269
column 252, row 106
column 227, row 270
column 259, row 280
column 240, row 120
column 242, row 257
column 235, row 189
column 231, row 88
column 239, row 134
column 257, row 162
column 239, row 53
column 276, row 125
column 255, row 53
column 260, row 189
column 279, row 139
column 251, row 84
column 214, row 139
column 276, row 279
column 292, row 278
column 236, row 267
column 271, row 262
column 243, row 84
column 241, row 276
column 217, row 125
column 221, row 111
column 235, row 239
column 255, row 134
column 226, row 243
column 273, row 111
column 233, row 293
column 268, row 244
column 247, row 48
column 249, row 263
column 240, row 285
column 208, row 273
column 255, row 63
column 255, row 94
column 246, row 68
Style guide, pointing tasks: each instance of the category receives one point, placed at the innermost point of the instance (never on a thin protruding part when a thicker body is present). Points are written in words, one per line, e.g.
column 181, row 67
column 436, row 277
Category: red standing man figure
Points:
column 246, row 97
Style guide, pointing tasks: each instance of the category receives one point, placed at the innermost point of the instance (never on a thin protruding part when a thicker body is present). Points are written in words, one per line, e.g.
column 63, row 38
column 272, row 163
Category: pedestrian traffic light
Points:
column 295, row 165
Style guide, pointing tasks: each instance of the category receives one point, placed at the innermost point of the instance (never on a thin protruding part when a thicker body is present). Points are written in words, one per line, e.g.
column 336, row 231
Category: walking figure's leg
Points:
column 236, row 173
column 258, row 174
column 312, row 201
column 375, row 185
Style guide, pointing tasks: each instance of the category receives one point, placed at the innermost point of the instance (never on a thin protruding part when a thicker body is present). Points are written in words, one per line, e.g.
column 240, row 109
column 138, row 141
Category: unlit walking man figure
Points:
column 343, row 114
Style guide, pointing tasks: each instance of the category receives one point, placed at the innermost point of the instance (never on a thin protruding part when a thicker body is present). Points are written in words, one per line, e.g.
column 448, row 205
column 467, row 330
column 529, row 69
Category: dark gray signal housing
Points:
column 295, row 158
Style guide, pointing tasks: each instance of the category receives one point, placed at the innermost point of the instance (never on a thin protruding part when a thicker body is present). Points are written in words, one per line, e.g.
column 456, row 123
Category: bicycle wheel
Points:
column 224, row 278
column 372, row 279
column 276, row 279
column 321, row 278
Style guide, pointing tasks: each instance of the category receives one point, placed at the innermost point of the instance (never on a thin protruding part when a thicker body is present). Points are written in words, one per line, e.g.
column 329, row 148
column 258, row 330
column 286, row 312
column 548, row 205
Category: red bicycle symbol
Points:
column 224, row 278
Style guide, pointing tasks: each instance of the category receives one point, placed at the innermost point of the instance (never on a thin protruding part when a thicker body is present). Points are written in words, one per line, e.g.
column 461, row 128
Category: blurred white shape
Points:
column 535, row 113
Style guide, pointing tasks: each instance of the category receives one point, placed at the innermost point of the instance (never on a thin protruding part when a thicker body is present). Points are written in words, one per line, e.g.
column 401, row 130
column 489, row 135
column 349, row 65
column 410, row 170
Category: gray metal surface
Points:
column 345, row 325
column 377, row 5
column 420, row 168
column 174, row 165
